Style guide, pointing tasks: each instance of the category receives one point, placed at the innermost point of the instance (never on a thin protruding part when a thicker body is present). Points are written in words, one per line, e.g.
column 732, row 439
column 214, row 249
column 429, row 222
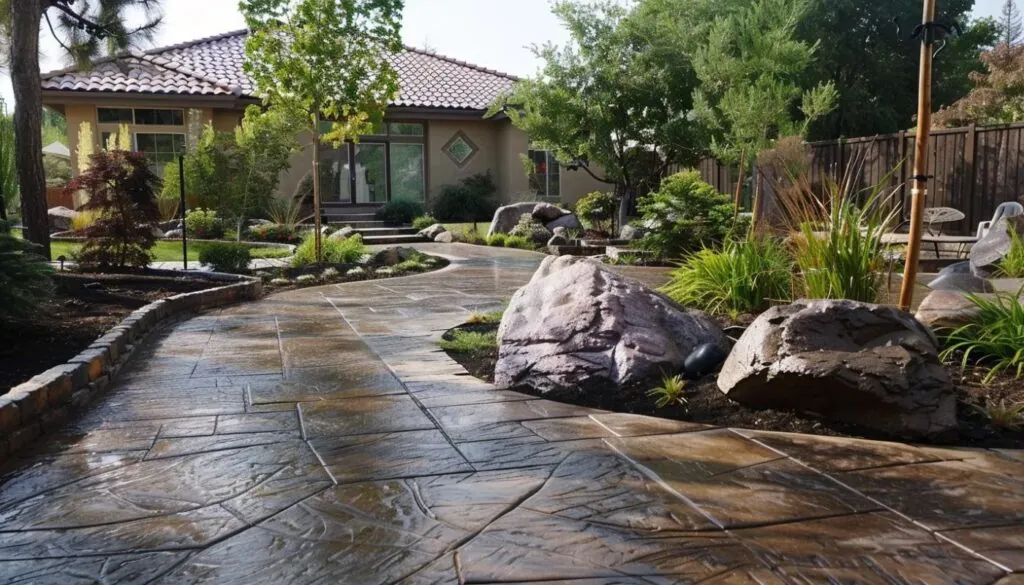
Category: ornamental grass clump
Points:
column 994, row 340
column 838, row 235
column 463, row 341
column 745, row 276
column 1012, row 265
column 347, row 251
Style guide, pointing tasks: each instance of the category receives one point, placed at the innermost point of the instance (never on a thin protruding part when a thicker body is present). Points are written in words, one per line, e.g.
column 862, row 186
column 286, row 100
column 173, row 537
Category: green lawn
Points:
column 163, row 251
column 481, row 227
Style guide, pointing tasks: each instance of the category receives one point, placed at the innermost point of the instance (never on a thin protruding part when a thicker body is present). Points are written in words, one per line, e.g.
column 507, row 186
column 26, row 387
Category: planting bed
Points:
column 708, row 405
column 84, row 307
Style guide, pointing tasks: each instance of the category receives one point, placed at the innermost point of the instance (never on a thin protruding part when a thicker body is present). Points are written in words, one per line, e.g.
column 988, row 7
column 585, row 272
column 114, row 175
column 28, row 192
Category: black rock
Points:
column 703, row 360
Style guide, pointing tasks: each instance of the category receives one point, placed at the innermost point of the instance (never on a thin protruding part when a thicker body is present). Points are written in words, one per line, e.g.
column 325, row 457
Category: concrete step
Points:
column 387, row 231
column 392, row 240
column 357, row 225
column 345, row 217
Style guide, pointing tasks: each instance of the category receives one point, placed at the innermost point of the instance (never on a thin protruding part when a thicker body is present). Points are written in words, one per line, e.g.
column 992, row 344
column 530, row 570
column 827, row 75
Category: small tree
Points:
column 1010, row 27
column 998, row 94
column 328, row 59
column 121, row 187
column 684, row 215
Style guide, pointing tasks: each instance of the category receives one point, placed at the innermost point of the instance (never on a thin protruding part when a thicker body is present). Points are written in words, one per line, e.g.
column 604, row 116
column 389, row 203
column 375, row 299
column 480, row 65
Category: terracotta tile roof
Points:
column 213, row 67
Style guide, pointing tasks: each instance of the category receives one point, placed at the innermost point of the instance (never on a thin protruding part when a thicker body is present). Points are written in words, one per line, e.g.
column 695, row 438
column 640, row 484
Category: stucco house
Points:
column 435, row 132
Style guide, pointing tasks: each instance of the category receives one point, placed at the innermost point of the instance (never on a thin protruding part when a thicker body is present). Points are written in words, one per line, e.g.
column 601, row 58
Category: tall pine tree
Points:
column 1010, row 23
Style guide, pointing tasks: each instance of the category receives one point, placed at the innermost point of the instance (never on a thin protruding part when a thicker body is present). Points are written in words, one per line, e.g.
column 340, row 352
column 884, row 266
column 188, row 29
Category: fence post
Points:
column 903, row 173
column 970, row 156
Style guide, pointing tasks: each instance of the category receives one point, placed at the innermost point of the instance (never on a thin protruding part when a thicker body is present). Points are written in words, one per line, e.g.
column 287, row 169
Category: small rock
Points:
column 704, row 360
column 444, row 238
column 946, row 309
column 558, row 240
column 569, row 222
column 433, row 231
column 561, row 231
column 392, row 256
column 342, row 233
column 546, row 212
column 967, row 283
column 158, row 233
column 280, row 282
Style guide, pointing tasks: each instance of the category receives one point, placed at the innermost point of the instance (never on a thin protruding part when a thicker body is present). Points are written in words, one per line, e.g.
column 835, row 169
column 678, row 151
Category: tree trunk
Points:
column 28, row 105
column 316, row 185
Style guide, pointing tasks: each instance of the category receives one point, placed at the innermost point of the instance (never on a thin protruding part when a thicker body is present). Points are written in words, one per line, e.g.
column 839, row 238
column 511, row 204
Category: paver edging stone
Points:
column 45, row 401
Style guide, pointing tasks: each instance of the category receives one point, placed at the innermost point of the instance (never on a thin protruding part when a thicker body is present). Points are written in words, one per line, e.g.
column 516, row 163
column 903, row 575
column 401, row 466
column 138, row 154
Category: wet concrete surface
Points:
column 320, row 436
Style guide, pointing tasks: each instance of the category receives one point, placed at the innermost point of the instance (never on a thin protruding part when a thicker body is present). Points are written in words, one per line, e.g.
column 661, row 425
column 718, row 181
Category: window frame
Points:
column 549, row 159
column 387, row 138
column 134, row 118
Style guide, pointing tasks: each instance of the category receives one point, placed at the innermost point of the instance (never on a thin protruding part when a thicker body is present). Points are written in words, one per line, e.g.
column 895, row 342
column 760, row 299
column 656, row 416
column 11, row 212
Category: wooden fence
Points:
column 974, row 168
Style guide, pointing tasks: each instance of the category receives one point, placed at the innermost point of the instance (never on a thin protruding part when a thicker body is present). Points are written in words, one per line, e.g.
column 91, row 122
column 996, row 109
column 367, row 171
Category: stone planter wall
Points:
column 46, row 401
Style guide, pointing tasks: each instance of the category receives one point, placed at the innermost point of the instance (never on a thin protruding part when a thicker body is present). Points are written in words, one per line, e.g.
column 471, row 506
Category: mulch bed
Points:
column 708, row 405
column 84, row 307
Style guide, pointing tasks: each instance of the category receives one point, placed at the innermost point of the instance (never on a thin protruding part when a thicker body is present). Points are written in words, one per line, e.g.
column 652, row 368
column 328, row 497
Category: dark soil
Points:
column 707, row 404
column 83, row 308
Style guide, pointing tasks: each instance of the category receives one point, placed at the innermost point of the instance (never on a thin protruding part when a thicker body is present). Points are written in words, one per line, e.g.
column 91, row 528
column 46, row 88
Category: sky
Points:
column 495, row 34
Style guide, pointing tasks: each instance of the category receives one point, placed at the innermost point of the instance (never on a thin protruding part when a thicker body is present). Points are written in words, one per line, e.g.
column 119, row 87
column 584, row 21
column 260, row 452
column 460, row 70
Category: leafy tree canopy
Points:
column 998, row 95
column 617, row 88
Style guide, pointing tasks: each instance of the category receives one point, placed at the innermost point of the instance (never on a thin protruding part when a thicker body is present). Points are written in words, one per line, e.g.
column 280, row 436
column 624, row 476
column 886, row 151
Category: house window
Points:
column 386, row 166
column 460, row 149
column 141, row 116
column 545, row 177
column 160, row 149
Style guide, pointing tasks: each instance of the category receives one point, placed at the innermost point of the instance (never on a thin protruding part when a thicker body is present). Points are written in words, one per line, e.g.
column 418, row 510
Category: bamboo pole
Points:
column 919, row 192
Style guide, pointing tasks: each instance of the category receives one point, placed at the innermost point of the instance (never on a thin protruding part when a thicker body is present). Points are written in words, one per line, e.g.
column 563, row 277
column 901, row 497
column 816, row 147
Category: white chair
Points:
column 1007, row 209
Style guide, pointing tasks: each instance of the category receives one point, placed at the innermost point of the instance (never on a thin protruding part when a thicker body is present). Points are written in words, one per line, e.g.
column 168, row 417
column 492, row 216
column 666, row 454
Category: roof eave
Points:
column 67, row 96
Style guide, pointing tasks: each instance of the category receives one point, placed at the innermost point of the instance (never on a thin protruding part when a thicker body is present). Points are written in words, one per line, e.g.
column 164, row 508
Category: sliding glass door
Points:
column 371, row 182
column 387, row 166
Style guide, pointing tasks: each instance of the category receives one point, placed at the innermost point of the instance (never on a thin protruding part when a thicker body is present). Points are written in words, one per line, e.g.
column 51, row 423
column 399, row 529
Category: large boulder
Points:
column 392, row 256
column 869, row 365
column 60, row 218
column 444, row 237
column 579, row 327
column 569, row 222
column 991, row 249
column 506, row 217
column 546, row 212
column 558, row 240
column 432, row 231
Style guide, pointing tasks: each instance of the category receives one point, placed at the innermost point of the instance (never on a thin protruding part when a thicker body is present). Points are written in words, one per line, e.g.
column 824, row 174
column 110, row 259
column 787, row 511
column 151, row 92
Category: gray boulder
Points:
column 174, row 224
column 506, row 218
column 960, row 282
column 630, row 232
column 444, row 237
column 256, row 222
column 946, row 309
column 60, row 218
column 990, row 250
column 579, row 327
column 569, row 222
column 853, row 362
column 342, row 233
column 432, row 231
column 962, row 267
column 157, row 232
column 546, row 212
column 174, row 234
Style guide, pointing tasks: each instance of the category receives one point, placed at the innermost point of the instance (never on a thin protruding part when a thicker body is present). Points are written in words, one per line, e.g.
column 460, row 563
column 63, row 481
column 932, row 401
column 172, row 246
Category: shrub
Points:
column 424, row 221
column 24, row 277
column 597, row 211
column 743, row 277
column 226, row 256
column 463, row 341
column 347, row 251
column 121, row 187
column 470, row 236
column 472, row 199
column 400, row 212
column 1012, row 266
column 497, row 240
column 838, row 245
column 531, row 229
column 330, row 274
column 518, row 242
column 275, row 232
column 996, row 337
column 305, row 280
column 684, row 215
column 492, row 318
column 203, row 224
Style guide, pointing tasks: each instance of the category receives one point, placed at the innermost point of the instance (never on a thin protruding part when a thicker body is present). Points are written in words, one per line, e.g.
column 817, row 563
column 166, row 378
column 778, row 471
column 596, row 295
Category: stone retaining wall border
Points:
column 47, row 400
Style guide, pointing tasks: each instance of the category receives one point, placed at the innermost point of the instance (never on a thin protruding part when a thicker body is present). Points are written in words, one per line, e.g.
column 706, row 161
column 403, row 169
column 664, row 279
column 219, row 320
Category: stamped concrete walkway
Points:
column 319, row 437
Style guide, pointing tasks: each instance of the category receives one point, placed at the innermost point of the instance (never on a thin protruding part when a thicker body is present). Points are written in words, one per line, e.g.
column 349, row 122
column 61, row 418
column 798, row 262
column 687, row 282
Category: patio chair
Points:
column 1007, row 209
